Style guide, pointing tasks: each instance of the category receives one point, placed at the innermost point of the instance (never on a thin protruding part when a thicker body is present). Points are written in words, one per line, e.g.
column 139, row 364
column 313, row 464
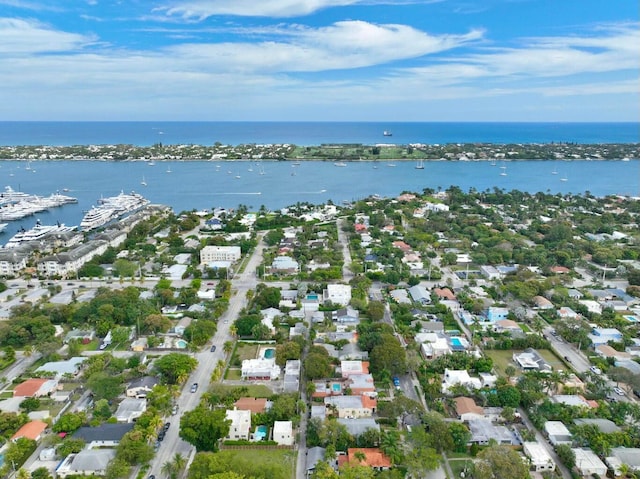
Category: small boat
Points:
column 625, row 159
column 564, row 178
column 238, row 176
column 151, row 163
column 168, row 169
column 387, row 133
column 554, row 172
column 391, row 165
column 143, row 182
column 420, row 165
column 340, row 163
column 66, row 190
column 504, row 171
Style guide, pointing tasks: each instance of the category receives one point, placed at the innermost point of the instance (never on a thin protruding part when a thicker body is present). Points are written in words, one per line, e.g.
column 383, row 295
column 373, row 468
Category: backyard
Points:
column 502, row 359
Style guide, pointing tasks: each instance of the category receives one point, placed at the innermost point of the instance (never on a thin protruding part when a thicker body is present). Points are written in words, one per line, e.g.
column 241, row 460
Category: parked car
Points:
column 396, row 382
column 213, row 348
column 194, row 387
column 174, row 410
column 166, row 426
column 595, row 370
column 566, row 358
column 618, row 391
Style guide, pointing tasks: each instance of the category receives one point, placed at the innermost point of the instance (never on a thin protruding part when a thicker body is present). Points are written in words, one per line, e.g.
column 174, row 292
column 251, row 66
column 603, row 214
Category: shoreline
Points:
column 468, row 152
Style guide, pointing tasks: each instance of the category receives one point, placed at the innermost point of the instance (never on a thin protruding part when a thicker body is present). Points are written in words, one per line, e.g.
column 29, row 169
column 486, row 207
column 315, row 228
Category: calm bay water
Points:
column 206, row 184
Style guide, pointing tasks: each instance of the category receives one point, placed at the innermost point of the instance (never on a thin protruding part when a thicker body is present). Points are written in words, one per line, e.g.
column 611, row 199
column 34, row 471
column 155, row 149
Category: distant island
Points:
column 329, row 152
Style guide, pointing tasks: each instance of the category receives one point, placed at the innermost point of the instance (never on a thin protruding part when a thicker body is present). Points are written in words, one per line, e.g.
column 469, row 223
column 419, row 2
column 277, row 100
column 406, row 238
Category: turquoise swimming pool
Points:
column 632, row 319
column 269, row 353
column 336, row 388
column 181, row 343
column 260, row 434
column 456, row 342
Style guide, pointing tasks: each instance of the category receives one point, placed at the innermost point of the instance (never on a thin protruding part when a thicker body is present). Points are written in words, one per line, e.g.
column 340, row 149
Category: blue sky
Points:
column 320, row 60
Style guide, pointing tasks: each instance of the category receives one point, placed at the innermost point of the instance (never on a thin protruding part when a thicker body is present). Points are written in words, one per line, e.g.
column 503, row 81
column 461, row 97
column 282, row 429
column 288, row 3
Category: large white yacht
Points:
column 112, row 208
column 37, row 233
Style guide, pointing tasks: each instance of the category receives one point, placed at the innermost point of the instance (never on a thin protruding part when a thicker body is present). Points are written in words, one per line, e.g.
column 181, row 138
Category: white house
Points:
column 88, row 462
column 453, row 377
column 260, row 369
column 283, row 433
column 240, row 424
column 130, row 409
column 209, row 254
column 588, row 463
column 538, row 456
column 557, row 433
column 338, row 294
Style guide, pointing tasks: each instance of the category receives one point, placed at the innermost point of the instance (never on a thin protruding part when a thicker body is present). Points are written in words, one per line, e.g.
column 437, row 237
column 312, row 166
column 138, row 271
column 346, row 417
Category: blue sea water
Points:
column 309, row 133
column 206, row 184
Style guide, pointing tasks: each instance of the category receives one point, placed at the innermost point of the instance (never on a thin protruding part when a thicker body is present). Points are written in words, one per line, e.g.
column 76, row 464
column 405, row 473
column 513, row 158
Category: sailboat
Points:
column 420, row 165
column 169, row 169
column 564, row 178
column 238, row 176
column 555, row 171
column 262, row 169
column 504, row 171
column 143, row 182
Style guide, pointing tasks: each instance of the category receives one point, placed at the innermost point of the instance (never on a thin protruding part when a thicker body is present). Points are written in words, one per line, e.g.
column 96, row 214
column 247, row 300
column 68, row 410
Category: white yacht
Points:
column 111, row 209
column 37, row 233
column 3, row 226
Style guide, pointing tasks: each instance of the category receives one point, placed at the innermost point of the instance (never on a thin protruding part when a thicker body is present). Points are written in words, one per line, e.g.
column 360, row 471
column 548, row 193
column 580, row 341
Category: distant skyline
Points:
column 320, row 60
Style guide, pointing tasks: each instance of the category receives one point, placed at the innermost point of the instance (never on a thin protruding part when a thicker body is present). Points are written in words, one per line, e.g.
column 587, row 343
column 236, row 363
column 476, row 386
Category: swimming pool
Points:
column 632, row 319
column 336, row 388
column 260, row 434
column 456, row 342
column 269, row 353
column 312, row 297
column 181, row 343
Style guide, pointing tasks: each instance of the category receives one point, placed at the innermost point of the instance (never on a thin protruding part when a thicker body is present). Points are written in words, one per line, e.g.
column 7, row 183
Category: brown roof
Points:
column 465, row 405
column 31, row 430
column 255, row 405
column 445, row 293
column 374, row 457
column 28, row 388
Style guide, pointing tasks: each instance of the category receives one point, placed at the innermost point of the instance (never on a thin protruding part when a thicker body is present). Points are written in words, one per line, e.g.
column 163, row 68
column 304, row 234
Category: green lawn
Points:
column 246, row 350
column 281, row 462
column 458, row 465
column 233, row 374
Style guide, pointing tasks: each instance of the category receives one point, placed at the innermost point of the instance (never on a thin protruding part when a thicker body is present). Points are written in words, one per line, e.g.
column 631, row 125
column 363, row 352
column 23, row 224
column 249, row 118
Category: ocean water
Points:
column 207, row 184
column 309, row 133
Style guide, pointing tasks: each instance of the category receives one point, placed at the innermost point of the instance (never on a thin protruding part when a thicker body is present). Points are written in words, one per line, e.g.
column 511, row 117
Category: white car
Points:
column 595, row 370
column 618, row 391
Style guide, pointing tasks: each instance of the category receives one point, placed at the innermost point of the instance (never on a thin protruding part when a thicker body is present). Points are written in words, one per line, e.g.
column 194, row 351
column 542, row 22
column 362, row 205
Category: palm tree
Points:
column 168, row 469
column 227, row 347
column 360, row 456
column 179, row 463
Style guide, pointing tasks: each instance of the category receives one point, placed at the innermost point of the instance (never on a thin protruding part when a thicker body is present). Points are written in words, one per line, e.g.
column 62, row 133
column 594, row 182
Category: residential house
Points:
column 373, row 458
column 59, row 369
column 453, row 377
column 352, row 406
column 588, row 463
column 575, row 400
column 400, row 296
column 624, row 455
column 292, row 375
column 31, row 430
column 444, row 294
column 557, row 433
column 467, row 409
column 567, row 313
column 540, row 302
column 337, row 294
column 105, row 435
column 35, row 387
column 433, row 345
column 255, row 405
column 361, row 384
column 240, row 426
column 483, row 431
column 84, row 336
column 353, row 367
column 283, row 433
column 139, row 388
column 606, row 351
column 260, row 369
column 605, row 426
column 219, row 253
column 600, row 336
column 494, row 314
column 420, row 294
column 88, row 462
column 130, row 409
column 489, row 272
column 538, row 457
column 314, row 456
column 346, row 315
column 531, row 360
column 284, row 264
column 357, row 427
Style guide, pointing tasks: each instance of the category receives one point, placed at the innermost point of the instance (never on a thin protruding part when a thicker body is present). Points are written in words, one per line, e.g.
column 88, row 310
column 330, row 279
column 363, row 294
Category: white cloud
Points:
column 201, row 9
column 19, row 36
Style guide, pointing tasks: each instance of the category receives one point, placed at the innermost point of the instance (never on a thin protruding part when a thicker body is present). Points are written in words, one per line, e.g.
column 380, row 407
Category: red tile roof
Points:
column 255, row 405
column 374, row 457
column 31, row 430
column 28, row 388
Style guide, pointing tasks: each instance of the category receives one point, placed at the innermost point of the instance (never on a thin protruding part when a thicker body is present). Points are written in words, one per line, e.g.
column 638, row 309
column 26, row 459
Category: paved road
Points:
column 343, row 239
column 207, row 361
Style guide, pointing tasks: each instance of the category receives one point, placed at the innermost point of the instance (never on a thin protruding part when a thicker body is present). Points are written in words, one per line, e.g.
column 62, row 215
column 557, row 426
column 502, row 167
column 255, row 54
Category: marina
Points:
column 111, row 209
